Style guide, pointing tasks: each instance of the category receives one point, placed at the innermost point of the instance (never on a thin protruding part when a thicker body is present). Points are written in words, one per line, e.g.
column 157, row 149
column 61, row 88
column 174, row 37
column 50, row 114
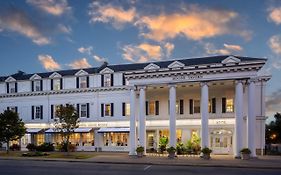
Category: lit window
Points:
column 229, row 105
column 56, row 85
column 107, row 80
column 83, row 111
column 37, row 112
column 83, row 82
column 151, row 108
column 37, row 86
column 210, row 106
column 107, row 110
column 196, row 106
column 127, row 109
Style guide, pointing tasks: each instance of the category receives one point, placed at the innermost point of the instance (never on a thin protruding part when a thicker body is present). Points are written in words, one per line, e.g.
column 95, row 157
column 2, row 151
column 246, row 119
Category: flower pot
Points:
column 140, row 154
column 245, row 156
column 206, row 156
column 172, row 154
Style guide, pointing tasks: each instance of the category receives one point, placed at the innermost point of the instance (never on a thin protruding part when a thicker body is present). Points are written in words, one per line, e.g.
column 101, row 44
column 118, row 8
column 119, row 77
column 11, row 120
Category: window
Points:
column 107, row 80
column 57, row 84
column 83, row 82
column 107, row 110
column 37, row 85
column 126, row 109
column 179, row 107
column 83, row 111
column 151, row 108
column 37, row 112
column 12, row 88
column 229, row 105
column 196, row 104
column 212, row 105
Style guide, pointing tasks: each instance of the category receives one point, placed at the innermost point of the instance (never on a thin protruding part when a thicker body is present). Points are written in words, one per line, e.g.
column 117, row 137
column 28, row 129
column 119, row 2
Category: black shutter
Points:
column 16, row 87
column 52, row 111
column 112, row 109
column 213, row 105
column 124, row 80
column 41, row 85
column 146, row 108
column 8, row 108
column 61, row 84
column 77, row 82
column 8, row 88
column 88, row 81
column 78, row 110
column 52, row 84
column 123, row 109
column 223, row 105
column 32, row 86
column 102, row 80
column 41, row 108
column 32, row 112
column 181, row 106
column 190, row 106
column 16, row 109
column 112, row 79
column 156, row 107
column 102, row 110
column 88, row 110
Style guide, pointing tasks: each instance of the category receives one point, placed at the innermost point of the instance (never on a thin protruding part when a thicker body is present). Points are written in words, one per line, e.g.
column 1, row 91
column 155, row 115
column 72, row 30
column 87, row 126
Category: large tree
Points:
column 11, row 127
column 66, row 122
column 273, row 130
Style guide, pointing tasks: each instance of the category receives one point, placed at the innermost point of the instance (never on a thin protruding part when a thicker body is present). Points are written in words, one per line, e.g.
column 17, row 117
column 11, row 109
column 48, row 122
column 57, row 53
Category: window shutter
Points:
column 61, row 83
column 16, row 87
column 8, row 88
column 32, row 86
column 124, row 80
column 77, row 82
column 41, row 115
column 102, row 80
column 123, row 109
column 190, row 106
column 78, row 110
column 52, row 84
column 41, row 85
column 181, row 106
column 52, row 111
column 112, row 109
column 156, row 107
column 8, row 108
column 112, row 80
column 146, row 108
column 32, row 112
column 88, row 110
column 16, row 108
column 213, row 105
column 223, row 105
column 88, row 81
column 102, row 110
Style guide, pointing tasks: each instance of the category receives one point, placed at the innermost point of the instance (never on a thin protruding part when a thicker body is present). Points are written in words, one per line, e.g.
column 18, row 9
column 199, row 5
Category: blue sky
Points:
column 47, row 35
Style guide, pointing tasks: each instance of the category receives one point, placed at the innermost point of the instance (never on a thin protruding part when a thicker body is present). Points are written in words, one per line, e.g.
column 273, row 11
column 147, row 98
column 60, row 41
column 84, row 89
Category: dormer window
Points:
column 82, row 82
column 37, row 85
column 107, row 80
column 56, row 84
column 12, row 87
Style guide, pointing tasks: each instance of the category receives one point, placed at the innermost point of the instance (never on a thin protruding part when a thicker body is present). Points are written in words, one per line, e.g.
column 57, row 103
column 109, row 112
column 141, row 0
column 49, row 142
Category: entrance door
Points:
column 221, row 142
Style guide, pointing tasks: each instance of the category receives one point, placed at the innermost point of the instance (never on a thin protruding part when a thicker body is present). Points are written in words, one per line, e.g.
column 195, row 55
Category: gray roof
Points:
column 135, row 66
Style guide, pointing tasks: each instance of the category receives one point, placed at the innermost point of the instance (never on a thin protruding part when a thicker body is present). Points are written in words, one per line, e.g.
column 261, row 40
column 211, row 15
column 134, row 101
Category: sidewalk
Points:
column 264, row 162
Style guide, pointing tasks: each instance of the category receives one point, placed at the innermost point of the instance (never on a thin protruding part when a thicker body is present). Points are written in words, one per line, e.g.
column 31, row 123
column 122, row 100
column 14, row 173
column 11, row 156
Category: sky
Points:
column 49, row 35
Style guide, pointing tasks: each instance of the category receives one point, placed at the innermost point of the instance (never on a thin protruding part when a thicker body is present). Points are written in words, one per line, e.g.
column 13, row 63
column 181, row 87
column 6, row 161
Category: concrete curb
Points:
column 146, row 163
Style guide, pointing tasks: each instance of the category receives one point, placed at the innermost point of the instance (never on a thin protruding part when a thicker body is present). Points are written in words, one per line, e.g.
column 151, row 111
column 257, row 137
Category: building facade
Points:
column 221, row 99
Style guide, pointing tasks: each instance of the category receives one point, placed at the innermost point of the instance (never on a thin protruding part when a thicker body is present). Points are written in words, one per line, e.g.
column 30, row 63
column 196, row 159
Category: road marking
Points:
column 147, row 167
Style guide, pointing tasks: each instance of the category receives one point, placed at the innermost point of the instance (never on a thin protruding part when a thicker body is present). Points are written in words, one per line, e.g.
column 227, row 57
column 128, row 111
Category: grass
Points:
column 59, row 155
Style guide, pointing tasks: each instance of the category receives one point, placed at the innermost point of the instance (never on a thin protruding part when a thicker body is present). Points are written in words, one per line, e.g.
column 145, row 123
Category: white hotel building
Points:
column 221, row 98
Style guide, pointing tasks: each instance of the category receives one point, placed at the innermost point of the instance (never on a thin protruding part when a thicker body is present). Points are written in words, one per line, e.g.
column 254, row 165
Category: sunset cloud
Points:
column 64, row 29
column 53, row 7
column 86, row 50
column 81, row 63
column 169, row 48
column 233, row 47
column 17, row 21
column 275, row 15
column 48, row 62
column 226, row 50
column 275, row 44
column 99, row 59
column 273, row 102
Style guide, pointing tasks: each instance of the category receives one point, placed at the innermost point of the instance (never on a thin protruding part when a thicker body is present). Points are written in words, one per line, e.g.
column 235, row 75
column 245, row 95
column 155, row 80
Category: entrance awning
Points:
column 102, row 130
column 77, row 130
column 33, row 130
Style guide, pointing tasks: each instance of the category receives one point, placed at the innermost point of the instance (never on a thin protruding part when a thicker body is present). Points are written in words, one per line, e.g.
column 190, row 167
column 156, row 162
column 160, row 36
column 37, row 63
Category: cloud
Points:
column 111, row 14
column 233, row 47
column 86, row 50
column 194, row 23
column 48, row 62
column 146, row 52
column 78, row 64
column 275, row 15
column 99, row 59
column 53, row 7
column 275, row 43
column 64, row 29
column 273, row 102
column 277, row 64
column 226, row 50
column 17, row 21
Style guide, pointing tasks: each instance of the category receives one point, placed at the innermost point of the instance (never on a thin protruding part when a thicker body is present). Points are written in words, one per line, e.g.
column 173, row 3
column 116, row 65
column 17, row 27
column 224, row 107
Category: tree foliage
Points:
column 11, row 127
column 273, row 130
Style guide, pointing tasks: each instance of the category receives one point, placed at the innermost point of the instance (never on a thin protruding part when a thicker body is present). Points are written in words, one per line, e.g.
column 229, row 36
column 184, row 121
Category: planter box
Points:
column 206, row 156
column 245, row 156
column 172, row 155
column 140, row 154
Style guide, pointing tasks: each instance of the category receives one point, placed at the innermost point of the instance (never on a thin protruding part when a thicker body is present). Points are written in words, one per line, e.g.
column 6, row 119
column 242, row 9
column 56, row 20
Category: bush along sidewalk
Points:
column 206, row 153
column 245, row 153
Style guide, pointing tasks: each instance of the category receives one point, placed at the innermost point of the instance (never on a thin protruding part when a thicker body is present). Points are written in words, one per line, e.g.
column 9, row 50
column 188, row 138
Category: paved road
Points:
column 26, row 167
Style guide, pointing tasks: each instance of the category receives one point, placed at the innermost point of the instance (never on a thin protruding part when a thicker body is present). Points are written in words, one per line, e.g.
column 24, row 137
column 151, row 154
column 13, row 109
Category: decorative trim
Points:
column 106, row 71
column 55, row 75
column 176, row 64
column 151, row 66
column 81, row 73
column 230, row 60
column 35, row 77
column 10, row 79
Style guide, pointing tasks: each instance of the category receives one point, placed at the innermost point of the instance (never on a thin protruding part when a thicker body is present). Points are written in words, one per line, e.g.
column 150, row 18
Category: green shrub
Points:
column 163, row 141
column 206, row 150
column 245, row 151
column 45, row 147
column 31, row 147
column 181, row 149
column 171, row 150
column 15, row 147
column 63, row 147
column 140, row 149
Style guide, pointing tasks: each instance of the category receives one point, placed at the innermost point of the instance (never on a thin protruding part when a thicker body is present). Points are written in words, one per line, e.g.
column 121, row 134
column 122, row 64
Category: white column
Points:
column 204, row 115
column 142, row 119
column 238, row 118
column 251, row 120
column 172, row 99
column 263, row 85
column 132, row 123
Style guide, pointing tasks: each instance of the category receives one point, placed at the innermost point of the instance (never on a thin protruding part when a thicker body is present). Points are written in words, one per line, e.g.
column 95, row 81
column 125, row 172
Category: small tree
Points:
column 66, row 122
column 11, row 127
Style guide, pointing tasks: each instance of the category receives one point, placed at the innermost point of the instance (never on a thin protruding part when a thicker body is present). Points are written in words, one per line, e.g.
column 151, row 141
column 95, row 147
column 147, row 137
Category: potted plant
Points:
column 206, row 153
column 140, row 151
column 245, row 152
column 172, row 152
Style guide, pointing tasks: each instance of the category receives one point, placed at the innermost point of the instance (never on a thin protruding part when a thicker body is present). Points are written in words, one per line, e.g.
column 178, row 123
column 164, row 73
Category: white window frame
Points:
column 109, row 111
column 107, row 80
column 83, row 110
column 56, row 84
column 83, row 82
column 12, row 87
column 37, row 84
column 37, row 112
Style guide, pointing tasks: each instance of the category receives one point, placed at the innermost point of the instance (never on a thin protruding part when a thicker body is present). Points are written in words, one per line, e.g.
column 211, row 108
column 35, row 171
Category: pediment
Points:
column 55, row 75
column 231, row 59
column 176, row 64
column 106, row 71
column 35, row 77
column 151, row 66
column 81, row 73
column 10, row 79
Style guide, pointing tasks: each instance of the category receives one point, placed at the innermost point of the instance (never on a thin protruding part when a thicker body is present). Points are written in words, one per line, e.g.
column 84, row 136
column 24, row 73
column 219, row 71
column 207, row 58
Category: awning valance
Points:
column 77, row 130
column 102, row 130
column 33, row 130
